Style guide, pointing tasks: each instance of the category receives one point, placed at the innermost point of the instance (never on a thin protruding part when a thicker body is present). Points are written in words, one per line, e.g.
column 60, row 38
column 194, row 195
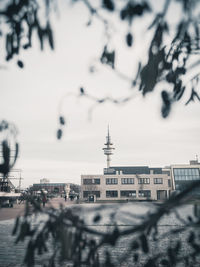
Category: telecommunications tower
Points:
column 108, row 150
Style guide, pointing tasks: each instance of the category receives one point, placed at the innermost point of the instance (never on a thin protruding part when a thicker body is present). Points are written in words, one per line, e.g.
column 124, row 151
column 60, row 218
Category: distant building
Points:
column 57, row 188
column 44, row 181
column 126, row 183
column 137, row 182
column 183, row 174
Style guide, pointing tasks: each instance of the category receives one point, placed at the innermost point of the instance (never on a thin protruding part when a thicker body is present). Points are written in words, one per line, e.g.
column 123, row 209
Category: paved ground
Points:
column 18, row 209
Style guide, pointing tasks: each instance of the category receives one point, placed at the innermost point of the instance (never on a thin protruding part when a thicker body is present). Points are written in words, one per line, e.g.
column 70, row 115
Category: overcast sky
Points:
column 30, row 98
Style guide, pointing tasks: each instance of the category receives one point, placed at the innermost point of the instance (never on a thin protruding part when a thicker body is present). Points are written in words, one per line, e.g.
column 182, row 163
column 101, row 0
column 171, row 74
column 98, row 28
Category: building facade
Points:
column 137, row 182
column 183, row 174
column 57, row 188
column 127, row 183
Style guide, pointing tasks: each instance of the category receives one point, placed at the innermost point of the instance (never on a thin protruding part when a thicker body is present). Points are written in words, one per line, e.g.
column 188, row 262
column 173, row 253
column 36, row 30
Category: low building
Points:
column 44, row 181
column 137, row 182
column 183, row 174
column 54, row 188
column 126, row 183
column 57, row 188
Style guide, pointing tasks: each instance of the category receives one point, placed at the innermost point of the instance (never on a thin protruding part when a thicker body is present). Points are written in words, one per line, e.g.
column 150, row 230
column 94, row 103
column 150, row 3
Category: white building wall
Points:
column 103, row 187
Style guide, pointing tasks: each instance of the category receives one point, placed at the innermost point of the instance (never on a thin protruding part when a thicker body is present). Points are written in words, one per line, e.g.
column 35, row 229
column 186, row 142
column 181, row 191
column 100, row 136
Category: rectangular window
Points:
column 91, row 181
column 113, row 193
column 87, row 193
column 111, row 181
column 97, row 181
column 128, row 193
column 169, row 183
column 186, row 174
column 143, row 180
column 158, row 180
column 127, row 180
column 87, row 181
column 144, row 193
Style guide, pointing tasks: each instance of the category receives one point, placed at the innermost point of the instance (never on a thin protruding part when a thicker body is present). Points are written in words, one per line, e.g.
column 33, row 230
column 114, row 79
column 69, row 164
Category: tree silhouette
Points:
column 172, row 62
column 172, row 55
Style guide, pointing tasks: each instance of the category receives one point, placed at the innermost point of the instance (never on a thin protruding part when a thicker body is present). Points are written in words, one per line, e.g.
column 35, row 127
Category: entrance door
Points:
column 161, row 194
column 91, row 198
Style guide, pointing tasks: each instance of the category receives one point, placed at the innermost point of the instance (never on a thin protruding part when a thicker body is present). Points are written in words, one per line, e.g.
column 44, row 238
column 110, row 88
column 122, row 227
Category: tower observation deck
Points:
column 108, row 149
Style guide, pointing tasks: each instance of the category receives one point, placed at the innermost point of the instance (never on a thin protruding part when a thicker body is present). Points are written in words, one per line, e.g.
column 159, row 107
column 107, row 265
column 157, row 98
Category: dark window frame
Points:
column 87, row 179
column 143, row 180
column 111, row 181
column 97, row 193
column 127, row 181
column 123, row 193
column 111, row 193
column 144, row 193
column 97, row 181
column 156, row 180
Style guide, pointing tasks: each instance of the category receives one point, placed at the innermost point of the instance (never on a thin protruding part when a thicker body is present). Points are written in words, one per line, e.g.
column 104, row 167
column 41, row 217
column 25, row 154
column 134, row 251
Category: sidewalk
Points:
column 18, row 209
column 11, row 213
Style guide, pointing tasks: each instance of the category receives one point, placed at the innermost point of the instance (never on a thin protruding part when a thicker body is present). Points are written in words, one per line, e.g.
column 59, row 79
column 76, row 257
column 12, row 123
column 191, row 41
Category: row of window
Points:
column 186, row 178
column 96, row 181
column 131, row 181
column 187, row 174
column 128, row 193
column 186, row 171
column 91, row 181
column 123, row 193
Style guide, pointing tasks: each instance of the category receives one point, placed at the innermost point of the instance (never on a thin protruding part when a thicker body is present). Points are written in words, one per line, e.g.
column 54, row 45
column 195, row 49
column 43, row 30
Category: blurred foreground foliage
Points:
column 172, row 58
column 61, row 237
column 9, row 147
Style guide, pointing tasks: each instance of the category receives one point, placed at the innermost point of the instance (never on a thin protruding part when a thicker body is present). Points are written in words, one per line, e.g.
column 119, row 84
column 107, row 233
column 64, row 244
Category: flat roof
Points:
column 132, row 170
column 50, row 184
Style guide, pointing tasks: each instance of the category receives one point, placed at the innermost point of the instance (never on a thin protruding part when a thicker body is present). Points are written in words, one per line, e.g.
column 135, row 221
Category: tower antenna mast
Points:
column 108, row 149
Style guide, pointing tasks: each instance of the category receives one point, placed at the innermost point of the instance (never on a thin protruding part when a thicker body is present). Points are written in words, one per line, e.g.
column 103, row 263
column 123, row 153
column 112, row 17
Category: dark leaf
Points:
column 192, row 96
column 191, row 237
column 165, row 262
column 50, row 36
column 150, row 263
column 181, row 93
column 135, row 245
column 180, row 71
column 20, row 64
column 172, row 256
column 144, row 243
column 16, row 154
column 6, row 157
column 129, row 39
column 62, row 120
column 109, row 4
column 59, row 134
column 135, row 257
column 166, row 104
column 97, row 218
column 82, row 91
column 131, row 10
column 40, row 36
column 16, row 226
column 167, row 65
column 108, row 57
column 100, row 101
column 177, row 247
column 196, row 211
column 108, row 262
